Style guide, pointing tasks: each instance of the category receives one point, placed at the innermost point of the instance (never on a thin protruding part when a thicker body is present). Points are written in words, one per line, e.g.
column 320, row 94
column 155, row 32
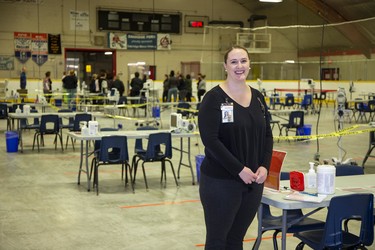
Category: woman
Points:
column 47, row 86
column 201, row 86
column 238, row 144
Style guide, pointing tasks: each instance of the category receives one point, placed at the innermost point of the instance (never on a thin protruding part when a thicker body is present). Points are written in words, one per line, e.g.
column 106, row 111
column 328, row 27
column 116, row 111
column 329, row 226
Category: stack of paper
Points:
column 298, row 196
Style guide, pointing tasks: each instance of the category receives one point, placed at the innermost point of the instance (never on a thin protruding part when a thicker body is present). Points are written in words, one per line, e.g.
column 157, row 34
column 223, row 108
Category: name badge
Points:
column 227, row 113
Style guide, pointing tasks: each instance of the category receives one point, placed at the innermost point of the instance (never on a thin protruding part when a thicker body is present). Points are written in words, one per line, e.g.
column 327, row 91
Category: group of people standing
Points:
column 182, row 87
column 101, row 84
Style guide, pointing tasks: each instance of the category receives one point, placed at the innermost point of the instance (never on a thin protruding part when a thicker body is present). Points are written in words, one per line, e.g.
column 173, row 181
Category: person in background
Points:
column 118, row 84
column 165, row 87
column 181, row 88
column 201, row 86
column 237, row 136
column 173, row 86
column 189, row 88
column 136, row 85
column 70, row 83
column 23, row 79
column 47, row 86
column 103, row 83
column 94, row 84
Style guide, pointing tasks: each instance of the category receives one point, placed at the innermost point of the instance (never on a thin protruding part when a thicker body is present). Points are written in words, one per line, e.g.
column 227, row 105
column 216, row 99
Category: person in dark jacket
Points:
column 136, row 85
column 237, row 136
column 70, row 84
column 118, row 84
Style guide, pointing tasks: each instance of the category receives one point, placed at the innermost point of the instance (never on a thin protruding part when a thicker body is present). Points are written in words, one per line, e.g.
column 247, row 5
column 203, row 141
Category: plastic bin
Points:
column 156, row 112
column 11, row 141
column 198, row 162
column 58, row 102
column 305, row 130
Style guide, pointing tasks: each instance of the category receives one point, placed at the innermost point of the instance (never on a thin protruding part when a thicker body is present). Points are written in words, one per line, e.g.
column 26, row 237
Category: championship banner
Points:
column 22, row 46
column 39, row 48
column 54, row 44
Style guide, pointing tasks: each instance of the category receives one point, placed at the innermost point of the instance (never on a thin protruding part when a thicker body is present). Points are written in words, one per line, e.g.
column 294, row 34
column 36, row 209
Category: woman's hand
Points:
column 261, row 174
column 247, row 175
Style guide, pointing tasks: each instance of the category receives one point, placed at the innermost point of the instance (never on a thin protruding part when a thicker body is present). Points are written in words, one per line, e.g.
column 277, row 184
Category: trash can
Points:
column 305, row 130
column 11, row 141
column 58, row 102
column 156, row 112
column 198, row 161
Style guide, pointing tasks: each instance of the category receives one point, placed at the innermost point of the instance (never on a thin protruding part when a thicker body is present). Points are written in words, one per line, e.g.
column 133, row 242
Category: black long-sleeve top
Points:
column 230, row 146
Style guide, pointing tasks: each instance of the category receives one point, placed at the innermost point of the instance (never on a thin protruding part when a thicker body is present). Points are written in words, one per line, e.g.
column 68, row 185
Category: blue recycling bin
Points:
column 11, row 141
column 198, row 161
column 156, row 112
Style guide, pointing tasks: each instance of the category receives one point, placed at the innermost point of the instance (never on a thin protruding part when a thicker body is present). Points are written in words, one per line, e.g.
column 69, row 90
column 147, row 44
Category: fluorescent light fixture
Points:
column 289, row 61
column 137, row 64
column 108, row 53
column 271, row 1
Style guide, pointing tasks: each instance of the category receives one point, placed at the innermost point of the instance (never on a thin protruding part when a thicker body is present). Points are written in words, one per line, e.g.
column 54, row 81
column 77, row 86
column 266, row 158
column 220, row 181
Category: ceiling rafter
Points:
column 350, row 31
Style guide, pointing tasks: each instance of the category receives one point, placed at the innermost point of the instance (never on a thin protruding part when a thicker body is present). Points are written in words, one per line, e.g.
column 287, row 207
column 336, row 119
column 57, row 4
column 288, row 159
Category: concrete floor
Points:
column 42, row 207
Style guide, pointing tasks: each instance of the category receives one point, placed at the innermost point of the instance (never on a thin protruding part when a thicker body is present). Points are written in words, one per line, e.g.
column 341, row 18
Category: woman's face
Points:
column 237, row 65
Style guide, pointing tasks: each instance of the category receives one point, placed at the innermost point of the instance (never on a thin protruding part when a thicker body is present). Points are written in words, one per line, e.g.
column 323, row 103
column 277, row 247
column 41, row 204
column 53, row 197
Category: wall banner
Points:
column 54, row 44
column 22, row 46
column 39, row 46
column 154, row 41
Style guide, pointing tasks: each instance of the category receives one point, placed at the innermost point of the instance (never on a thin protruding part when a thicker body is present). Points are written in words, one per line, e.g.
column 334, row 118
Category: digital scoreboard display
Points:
column 139, row 21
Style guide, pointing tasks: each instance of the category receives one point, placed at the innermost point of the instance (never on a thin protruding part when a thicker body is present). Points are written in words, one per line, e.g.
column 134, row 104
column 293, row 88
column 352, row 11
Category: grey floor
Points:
column 42, row 207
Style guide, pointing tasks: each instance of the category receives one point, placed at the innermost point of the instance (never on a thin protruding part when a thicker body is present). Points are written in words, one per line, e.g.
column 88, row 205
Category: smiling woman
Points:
column 238, row 145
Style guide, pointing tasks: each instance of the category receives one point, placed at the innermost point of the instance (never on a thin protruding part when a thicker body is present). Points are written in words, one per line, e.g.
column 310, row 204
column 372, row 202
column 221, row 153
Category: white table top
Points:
column 343, row 185
column 131, row 134
column 38, row 115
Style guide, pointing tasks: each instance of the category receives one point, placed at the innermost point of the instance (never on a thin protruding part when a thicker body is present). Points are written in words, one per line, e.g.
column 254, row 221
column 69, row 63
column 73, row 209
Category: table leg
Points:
column 87, row 171
column 284, row 229
column 188, row 152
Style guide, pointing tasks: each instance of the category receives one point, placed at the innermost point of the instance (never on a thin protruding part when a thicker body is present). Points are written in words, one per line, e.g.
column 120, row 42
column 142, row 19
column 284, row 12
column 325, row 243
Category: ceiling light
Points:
column 271, row 1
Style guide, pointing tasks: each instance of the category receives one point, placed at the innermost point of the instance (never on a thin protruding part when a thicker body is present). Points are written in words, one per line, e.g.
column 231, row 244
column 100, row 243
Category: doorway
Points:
column 86, row 62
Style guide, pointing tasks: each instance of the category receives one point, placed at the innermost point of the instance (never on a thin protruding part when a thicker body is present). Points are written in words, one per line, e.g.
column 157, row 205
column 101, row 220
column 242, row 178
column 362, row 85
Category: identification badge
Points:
column 227, row 113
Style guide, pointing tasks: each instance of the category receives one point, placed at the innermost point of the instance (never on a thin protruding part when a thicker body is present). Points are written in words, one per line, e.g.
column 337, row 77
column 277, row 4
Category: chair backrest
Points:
column 344, row 170
column 154, row 149
column 307, row 100
column 371, row 106
column 97, row 142
column 113, row 149
column 48, row 121
column 296, row 118
column 138, row 142
column 80, row 118
column 181, row 108
column 3, row 110
column 289, row 101
column 363, row 208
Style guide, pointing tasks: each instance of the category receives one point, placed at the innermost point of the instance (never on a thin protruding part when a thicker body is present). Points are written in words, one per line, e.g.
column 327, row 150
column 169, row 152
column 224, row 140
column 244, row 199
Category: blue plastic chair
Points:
column 155, row 153
column 306, row 101
column 296, row 121
column 138, row 147
column 333, row 236
column 24, row 123
column 113, row 150
column 271, row 222
column 49, row 125
column 78, row 118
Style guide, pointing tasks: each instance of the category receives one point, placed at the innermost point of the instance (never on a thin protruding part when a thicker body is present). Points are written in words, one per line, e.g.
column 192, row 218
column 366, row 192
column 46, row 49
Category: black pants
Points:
column 229, row 208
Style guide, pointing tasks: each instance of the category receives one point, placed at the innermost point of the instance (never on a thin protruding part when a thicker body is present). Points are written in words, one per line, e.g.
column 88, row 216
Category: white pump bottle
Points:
column 311, row 177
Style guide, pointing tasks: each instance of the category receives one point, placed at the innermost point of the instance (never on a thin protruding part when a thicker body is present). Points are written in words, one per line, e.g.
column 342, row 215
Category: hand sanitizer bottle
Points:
column 311, row 177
